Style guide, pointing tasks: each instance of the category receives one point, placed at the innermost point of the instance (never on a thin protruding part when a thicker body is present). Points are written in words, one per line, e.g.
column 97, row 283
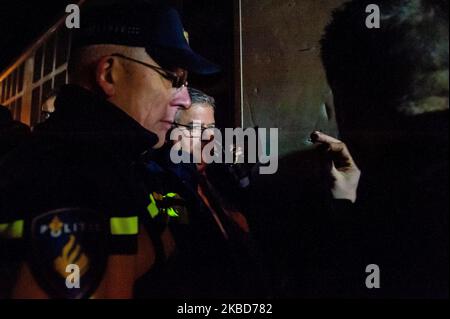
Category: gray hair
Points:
column 82, row 61
column 198, row 98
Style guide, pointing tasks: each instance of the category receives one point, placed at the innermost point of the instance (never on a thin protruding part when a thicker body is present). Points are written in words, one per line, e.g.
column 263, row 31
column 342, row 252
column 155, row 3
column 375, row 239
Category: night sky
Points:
column 22, row 21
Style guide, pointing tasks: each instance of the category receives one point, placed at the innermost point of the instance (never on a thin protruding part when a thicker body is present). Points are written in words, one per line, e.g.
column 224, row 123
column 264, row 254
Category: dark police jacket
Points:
column 205, row 263
column 72, row 193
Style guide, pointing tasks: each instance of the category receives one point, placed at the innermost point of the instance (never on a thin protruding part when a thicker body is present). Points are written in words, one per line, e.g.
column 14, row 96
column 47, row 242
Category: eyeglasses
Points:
column 178, row 79
column 193, row 130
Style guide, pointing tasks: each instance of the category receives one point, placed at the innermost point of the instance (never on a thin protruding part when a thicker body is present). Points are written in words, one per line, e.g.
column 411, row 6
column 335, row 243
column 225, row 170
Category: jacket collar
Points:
column 84, row 116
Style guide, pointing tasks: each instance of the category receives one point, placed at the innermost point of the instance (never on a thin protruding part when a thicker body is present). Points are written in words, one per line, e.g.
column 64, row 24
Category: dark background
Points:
column 21, row 22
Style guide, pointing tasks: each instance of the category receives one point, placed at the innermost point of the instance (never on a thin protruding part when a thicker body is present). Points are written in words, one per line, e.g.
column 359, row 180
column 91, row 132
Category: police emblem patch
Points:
column 69, row 251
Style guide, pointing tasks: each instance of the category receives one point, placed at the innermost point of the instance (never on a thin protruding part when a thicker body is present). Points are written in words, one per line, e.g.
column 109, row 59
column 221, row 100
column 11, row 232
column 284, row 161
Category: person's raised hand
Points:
column 344, row 170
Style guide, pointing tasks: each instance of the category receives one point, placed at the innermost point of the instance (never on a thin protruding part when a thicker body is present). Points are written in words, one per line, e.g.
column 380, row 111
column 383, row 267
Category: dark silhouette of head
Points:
column 5, row 115
column 384, row 78
column 12, row 133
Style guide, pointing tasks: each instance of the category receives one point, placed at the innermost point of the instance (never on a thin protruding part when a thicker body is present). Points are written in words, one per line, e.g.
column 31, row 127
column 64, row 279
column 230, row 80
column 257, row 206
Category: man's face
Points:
column 148, row 97
column 198, row 114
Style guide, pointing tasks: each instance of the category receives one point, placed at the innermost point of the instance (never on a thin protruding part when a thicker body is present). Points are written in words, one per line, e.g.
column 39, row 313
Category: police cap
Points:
column 156, row 27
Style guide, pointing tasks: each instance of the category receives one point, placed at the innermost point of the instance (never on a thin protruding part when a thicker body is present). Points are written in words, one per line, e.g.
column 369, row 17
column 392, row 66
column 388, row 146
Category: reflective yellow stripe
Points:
column 152, row 208
column 124, row 225
column 172, row 212
column 12, row 230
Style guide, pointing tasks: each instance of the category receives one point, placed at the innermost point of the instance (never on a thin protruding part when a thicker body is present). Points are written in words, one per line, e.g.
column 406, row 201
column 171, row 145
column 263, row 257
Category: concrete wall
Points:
column 284, row 84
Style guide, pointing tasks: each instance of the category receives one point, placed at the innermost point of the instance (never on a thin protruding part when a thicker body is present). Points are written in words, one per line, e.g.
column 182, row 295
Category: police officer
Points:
column 73, row 210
